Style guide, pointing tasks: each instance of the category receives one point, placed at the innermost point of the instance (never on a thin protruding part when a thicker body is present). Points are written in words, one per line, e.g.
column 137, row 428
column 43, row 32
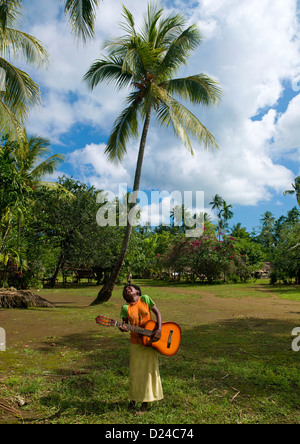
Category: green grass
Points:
column 238, row 369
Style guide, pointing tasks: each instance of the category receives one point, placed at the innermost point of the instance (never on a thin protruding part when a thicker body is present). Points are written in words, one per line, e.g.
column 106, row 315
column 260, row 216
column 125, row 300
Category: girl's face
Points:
column 131, row 294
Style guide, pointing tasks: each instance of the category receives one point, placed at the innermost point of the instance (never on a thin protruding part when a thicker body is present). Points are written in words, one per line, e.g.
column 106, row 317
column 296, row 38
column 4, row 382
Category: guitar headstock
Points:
column 107, row 322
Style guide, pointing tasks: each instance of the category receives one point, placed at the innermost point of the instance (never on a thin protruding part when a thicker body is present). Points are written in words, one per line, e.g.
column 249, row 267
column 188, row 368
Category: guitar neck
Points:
column 140, row 330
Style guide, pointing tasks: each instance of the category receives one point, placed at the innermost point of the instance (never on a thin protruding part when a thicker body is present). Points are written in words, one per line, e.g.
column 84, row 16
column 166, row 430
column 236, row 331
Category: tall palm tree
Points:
column 266, row 236
column 217, row 203
column 146, row 61
column 226, row 212
column 225, row 215
column 181, row 217
column 295, row 190
column 18, row 91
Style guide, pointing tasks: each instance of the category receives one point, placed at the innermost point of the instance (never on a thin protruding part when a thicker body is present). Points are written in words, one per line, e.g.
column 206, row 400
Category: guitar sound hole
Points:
column 170, row 339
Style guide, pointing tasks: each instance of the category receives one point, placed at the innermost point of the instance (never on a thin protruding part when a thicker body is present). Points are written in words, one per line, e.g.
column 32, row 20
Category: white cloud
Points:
column 96, row 169
column 287, row 137
column 250, row 47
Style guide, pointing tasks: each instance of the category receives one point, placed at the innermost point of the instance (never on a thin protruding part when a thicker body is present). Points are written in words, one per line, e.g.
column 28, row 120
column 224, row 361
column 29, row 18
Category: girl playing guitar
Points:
column 144, row 377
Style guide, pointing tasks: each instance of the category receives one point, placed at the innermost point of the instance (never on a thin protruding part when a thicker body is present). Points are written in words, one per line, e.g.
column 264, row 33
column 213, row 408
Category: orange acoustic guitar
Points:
column 169, row 342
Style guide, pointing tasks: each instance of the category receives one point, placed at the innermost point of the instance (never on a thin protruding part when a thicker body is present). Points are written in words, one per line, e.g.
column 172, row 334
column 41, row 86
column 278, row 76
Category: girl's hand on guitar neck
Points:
column 156, row 335
column 123, row 327
column 157, row 332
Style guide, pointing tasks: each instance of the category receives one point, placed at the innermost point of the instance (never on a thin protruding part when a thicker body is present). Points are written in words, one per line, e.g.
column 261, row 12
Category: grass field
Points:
column 235, row 363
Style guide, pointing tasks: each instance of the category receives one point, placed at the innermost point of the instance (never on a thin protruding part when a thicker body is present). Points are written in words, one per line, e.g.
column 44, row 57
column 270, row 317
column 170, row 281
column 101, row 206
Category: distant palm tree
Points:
column 18, row 91
column 295, row 190
column 225, row 215
column 226, row 212
column 217, row 203
column 146, row 61
column 181, row 217
column 266, row 236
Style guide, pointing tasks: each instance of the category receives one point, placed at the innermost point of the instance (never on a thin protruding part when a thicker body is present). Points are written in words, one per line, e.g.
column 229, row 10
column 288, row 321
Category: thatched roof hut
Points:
column 12, row 298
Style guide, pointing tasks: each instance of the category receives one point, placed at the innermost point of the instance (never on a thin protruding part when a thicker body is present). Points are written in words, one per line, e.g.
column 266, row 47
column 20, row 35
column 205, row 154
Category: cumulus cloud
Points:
column 287, row 135
column 250, row 47
column 96, row 169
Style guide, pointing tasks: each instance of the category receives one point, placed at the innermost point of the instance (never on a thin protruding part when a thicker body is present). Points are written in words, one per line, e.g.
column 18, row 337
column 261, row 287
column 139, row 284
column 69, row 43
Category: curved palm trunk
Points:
column 106, row 291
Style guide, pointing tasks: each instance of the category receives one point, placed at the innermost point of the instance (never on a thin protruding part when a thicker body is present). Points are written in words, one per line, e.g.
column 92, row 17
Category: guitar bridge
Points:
column 170, row 339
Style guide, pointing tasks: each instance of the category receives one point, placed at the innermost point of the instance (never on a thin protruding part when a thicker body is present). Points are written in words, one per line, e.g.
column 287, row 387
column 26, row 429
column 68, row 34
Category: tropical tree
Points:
column 181, row 218
column 18, row 91
column 217, row 203
column 240, row 232
column 13, row 189
column 146, row 61
column 267, row 234
column 225, row 214
column 32, row 161
column 295, row 190
column 287, row 255
column 28, row 165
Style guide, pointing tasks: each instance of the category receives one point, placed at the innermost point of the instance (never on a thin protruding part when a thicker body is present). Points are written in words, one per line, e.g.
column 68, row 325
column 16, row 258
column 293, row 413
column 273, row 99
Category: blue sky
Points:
column 251, row 48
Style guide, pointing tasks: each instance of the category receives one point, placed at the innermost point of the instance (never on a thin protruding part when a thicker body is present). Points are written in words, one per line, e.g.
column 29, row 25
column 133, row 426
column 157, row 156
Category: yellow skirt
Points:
column 144, row 379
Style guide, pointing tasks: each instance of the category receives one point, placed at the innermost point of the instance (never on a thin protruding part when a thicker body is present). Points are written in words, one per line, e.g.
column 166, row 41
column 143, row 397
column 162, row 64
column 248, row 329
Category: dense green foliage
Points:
column 59, row 234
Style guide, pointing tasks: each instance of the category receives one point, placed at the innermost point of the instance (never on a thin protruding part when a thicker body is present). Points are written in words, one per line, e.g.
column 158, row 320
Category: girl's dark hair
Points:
column 131, row 285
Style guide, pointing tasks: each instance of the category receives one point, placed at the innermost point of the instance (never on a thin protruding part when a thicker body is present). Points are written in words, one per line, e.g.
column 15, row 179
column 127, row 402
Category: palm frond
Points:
column 184, row 122
column 46, row 167
column 198, row 89
column 9, row 124
column 82, row 16
column 10, row 11
column 167, row 116
column 109, row 70
column 125, row 126
column 169, row 29
column 129, row 24
column 31, row 150
column 56, row 186
column 178, row 51
column 20, row 44
column 21, row 92
column 151, row 20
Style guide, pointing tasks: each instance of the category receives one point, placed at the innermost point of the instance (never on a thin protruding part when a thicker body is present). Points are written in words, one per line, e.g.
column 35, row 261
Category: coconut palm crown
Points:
column 146, row 62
